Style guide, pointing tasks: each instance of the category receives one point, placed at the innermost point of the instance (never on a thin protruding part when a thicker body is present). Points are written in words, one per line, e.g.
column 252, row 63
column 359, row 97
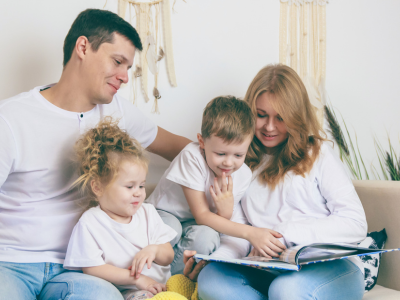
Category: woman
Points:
column 300, row 190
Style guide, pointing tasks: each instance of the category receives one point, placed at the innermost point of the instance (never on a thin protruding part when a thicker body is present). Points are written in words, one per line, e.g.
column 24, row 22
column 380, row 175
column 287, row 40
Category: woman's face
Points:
column 270, row 128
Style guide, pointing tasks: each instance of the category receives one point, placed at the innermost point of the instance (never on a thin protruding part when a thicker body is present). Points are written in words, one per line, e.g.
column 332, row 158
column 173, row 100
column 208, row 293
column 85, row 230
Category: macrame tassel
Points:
column 150, row 16
column 122, row 8
column 166, row 15
column 302, row 45
column 143, row 26
column 157, row 96
column 283, row 43
column 160, row 54
column 135, row 77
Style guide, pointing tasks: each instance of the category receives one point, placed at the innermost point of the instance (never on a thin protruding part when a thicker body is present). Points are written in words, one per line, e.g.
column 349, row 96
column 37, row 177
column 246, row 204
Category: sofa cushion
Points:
column 374, row 240
column 381, row 293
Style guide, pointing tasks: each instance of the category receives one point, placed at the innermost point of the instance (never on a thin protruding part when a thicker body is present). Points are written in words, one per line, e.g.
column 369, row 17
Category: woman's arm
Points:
column 346, row 222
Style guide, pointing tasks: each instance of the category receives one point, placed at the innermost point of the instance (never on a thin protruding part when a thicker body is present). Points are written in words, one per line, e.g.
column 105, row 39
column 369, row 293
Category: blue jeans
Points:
column 45, row 281
column 191, row 236
column 338, row 279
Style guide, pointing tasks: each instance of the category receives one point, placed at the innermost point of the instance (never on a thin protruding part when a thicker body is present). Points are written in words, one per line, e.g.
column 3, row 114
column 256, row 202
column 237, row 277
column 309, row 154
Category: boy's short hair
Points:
column 99, row 27
column 229, row 118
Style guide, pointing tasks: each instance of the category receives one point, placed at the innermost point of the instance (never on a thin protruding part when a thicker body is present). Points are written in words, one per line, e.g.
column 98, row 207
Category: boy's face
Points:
column 223, row 157
column 107, row 68
column 123, row 197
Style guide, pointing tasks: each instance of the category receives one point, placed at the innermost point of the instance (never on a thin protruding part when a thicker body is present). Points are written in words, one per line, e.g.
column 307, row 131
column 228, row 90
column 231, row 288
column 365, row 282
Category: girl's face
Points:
column 122, row 198
column 270, row 128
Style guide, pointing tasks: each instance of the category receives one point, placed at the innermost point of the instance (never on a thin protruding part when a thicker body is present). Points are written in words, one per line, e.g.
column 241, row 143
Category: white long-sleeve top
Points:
column 321, row 207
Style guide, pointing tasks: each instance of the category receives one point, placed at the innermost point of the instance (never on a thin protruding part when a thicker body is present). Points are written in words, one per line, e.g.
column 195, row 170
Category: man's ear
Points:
column 82, row 45
column 201, row 141
column 96, row 187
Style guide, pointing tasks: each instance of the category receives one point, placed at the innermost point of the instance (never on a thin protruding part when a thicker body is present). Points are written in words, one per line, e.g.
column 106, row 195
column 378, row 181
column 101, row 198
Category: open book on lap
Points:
column 293, row 258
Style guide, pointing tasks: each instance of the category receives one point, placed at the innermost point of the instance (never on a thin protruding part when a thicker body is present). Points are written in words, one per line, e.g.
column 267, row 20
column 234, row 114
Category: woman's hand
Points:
column 192, row 269
column 148, row 284
column 223, row 196
column 146, row 255
column 265, row 242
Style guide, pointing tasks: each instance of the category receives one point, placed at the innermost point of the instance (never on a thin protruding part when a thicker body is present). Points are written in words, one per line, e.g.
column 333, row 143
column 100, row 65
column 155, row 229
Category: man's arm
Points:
column 8, row 151
column 167, row 144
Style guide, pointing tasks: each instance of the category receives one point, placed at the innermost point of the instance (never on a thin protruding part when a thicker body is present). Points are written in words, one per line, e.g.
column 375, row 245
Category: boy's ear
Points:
column 201, row 141
column 96, row 188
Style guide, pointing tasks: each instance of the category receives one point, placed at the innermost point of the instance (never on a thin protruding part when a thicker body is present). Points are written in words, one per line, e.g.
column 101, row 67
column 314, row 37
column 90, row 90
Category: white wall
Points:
column 219, row 46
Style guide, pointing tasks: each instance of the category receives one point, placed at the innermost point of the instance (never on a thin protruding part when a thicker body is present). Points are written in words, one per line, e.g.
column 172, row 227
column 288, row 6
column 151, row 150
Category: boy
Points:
column 197, row 194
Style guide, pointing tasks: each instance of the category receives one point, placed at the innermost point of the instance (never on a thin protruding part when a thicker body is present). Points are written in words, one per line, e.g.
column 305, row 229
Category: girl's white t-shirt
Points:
column 97, row 240
column 190, row 169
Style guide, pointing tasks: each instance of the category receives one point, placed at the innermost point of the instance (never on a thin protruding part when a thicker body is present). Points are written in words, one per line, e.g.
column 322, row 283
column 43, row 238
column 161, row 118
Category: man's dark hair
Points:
column 98, row 26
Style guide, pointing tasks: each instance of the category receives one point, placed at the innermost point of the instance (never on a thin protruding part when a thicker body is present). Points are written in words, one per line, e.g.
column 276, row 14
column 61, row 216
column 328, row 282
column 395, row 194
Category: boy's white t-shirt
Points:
column 38, row 208
column 97, row 240
column 190, row 169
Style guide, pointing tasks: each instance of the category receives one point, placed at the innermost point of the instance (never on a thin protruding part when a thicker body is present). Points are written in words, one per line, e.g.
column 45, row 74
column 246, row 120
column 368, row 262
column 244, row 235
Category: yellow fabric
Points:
column 168, row 296
column 182, row 285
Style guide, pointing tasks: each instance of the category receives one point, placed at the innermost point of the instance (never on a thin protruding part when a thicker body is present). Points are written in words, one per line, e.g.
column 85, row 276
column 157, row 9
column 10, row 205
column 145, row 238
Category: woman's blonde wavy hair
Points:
column 99, row 153
column 305, row 134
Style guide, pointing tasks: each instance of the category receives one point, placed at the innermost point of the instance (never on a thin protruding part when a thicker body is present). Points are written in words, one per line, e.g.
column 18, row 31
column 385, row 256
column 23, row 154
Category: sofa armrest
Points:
column 381, row 202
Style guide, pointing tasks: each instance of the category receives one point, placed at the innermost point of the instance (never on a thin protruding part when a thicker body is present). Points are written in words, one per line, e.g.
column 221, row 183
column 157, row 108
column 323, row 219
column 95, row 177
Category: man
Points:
column 39, row 128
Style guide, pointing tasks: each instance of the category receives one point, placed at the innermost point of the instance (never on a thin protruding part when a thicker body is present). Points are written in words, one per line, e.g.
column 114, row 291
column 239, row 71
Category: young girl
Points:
column 300, row 190
column 120, row 235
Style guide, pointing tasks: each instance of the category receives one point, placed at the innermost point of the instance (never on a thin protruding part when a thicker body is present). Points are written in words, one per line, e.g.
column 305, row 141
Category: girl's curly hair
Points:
column 100, row 151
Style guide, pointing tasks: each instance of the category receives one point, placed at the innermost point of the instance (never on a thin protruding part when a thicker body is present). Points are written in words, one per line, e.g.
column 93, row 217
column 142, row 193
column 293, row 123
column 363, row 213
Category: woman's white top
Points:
column 321, row 207
column 97, row 240
column 190, row 169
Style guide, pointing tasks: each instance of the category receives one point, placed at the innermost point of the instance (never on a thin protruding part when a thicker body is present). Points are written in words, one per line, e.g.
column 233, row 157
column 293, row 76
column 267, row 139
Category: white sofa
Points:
column 381, row 201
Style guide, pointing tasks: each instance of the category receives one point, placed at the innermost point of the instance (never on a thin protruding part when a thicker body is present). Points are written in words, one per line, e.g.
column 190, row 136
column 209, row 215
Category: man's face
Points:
column 107, row 68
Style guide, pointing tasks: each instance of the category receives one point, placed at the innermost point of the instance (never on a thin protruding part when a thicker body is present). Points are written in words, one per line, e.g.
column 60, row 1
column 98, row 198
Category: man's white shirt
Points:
column 38, row 210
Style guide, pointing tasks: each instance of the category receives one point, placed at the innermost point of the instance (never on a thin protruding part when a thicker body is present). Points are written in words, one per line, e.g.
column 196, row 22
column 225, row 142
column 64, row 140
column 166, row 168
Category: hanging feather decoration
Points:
column 153, row 23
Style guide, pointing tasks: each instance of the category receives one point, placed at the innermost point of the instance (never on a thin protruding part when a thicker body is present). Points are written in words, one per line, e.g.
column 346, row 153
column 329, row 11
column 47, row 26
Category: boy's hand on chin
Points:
column 144, row 256
column 223, row 196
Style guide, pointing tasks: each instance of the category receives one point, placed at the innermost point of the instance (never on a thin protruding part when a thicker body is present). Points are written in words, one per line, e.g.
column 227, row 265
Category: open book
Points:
column 293, row 258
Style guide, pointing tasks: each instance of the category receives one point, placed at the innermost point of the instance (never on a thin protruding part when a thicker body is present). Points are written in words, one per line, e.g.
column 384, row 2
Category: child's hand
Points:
column 265, row 241
column 223, row 197
column 148, row 284
column 254, row 252
column 146, row 255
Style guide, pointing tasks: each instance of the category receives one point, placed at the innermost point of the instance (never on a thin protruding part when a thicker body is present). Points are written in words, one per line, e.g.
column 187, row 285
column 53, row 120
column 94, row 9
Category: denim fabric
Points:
column 50, row 281
column 339, row 279
column 201, row 238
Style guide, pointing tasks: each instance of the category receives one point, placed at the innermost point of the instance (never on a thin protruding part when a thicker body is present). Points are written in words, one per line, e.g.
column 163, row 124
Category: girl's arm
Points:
column 162, row 254
column 263, row 239
column 120, row 276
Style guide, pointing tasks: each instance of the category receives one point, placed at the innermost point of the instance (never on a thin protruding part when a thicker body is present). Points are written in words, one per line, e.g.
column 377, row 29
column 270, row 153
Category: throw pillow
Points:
column 374, row 240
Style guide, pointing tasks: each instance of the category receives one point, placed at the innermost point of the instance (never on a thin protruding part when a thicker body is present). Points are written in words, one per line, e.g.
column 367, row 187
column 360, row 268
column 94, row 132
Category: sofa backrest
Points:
column 381, row 201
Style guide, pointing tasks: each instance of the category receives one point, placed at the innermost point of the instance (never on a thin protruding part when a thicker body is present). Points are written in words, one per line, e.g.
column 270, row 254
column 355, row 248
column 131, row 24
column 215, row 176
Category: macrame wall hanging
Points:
column 302, row 45
column 153, row 23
